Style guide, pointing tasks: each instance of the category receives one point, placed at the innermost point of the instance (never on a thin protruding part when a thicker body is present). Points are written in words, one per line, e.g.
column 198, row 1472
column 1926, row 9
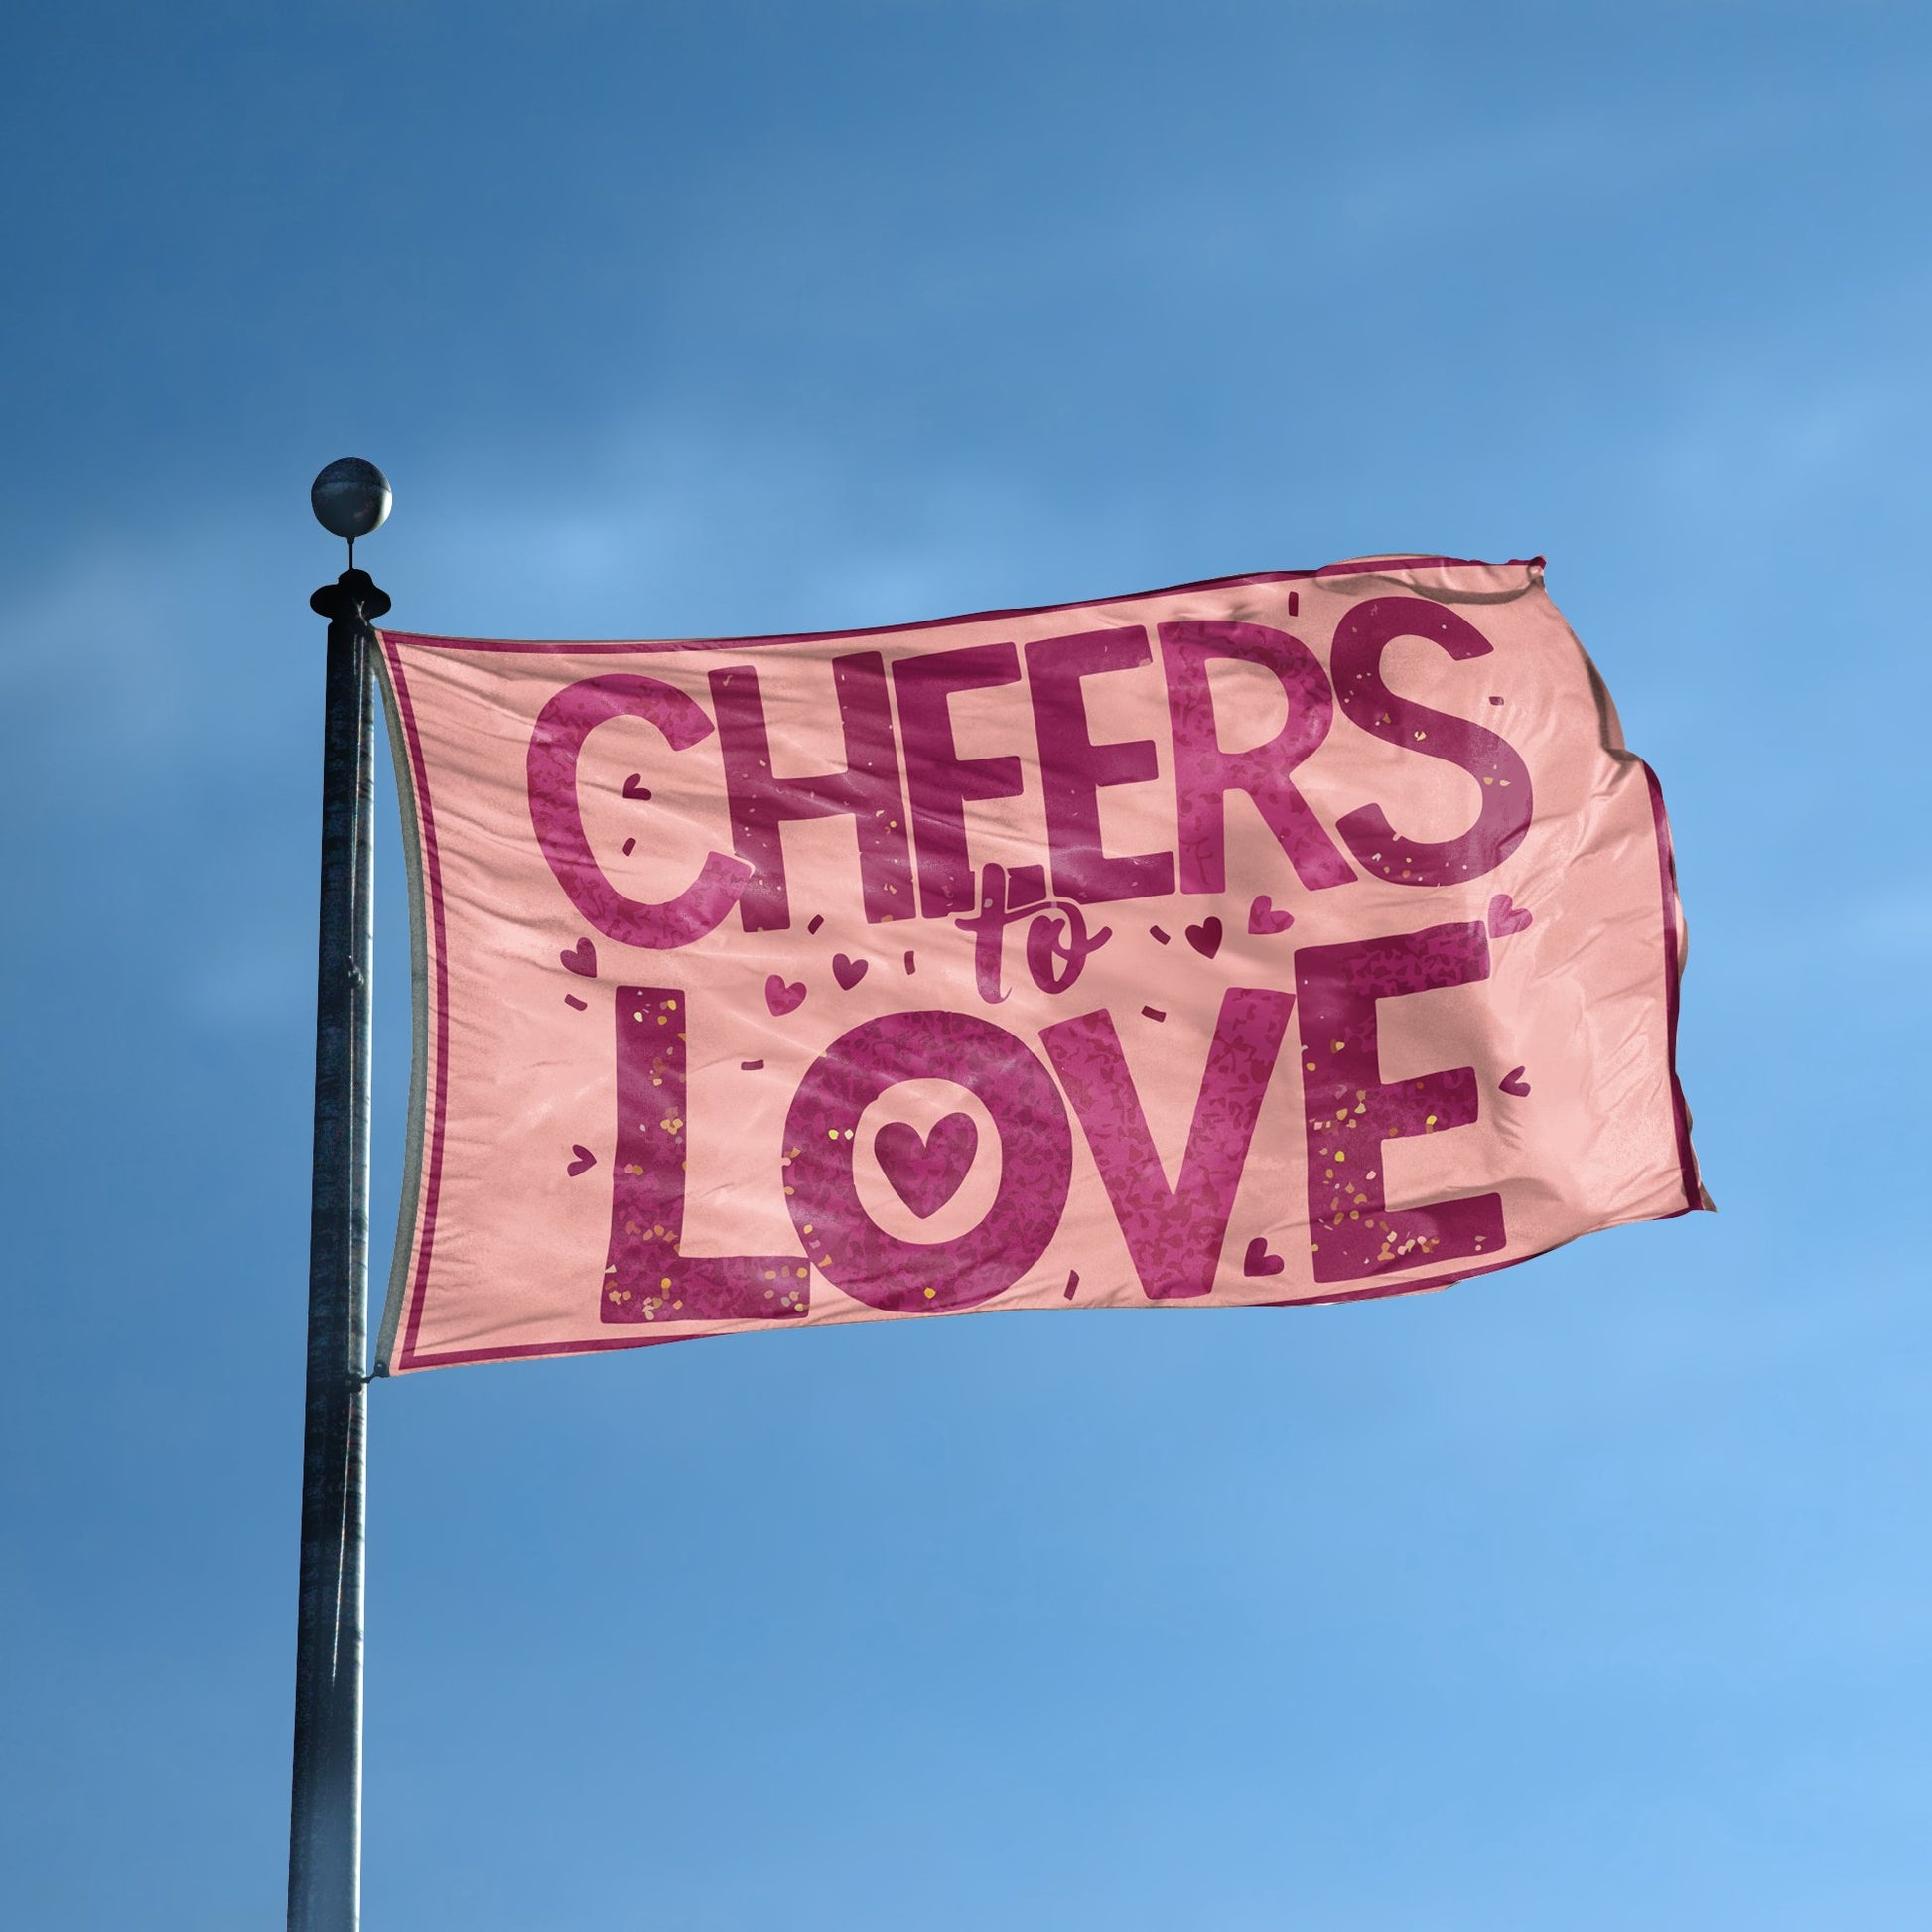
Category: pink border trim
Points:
column 523, row 1351
column 409, row 1360
column 406, row 1356
column 1388, row 1291
column 1687, row 1160
column 1354, row 567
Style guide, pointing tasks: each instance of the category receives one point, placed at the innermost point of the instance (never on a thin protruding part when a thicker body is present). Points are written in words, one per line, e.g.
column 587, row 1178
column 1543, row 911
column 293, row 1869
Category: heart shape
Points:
column 1505, row 918
column 848, row 972
column 1258, row 1261
column 925, row 1169
column 635, row 786
column 1205, row 939
column 581, row 959
column 1513, row 1082
column 584, row 1163
column 1265, row 917
column 781, row 998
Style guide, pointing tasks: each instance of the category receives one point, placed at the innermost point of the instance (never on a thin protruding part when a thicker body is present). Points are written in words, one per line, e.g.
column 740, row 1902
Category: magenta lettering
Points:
column 1174, row 1234
column 867, row 789
column 1035, row 1162
column 647, row 1277
column 1073, row 768
column 1203, row 773
column 551, row 776
column 938, row 781
column 1353, row 1114
column 907, row 786
column 1057, row 940
column 1502, row 778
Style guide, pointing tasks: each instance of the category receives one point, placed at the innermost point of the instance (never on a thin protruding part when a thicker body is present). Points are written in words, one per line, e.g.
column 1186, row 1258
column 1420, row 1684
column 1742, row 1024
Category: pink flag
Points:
column 1293, row 937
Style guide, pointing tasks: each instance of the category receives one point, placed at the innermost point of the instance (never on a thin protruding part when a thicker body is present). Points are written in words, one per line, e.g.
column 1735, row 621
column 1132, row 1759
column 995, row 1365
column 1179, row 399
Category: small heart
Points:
column 1205, row 939
column 1265, row 917
column 584, row 1163
column 635, row 786
column 1513, row 1082
column 581, row 959
column 848, row 972
column 1505, row 918
column 1258, row 1261
column 925, row 1169
column 781, row 998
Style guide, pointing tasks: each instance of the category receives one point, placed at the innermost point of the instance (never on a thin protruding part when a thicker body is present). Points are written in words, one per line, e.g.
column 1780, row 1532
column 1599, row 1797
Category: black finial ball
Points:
column 351, row 498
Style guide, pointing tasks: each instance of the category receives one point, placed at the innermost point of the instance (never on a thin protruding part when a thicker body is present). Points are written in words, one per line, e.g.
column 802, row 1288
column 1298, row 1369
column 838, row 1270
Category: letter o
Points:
column 847, row 1246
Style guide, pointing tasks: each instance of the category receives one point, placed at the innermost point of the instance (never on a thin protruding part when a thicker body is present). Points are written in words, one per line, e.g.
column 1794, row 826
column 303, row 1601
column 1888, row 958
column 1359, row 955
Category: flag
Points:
column 1295, row 937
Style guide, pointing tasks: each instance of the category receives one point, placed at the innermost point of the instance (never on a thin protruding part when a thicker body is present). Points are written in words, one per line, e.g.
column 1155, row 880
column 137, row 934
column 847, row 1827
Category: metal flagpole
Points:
column 350, row 499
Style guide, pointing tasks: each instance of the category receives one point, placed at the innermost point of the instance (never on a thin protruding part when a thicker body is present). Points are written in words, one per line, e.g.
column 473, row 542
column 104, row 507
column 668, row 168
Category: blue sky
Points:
column 1593, row 1594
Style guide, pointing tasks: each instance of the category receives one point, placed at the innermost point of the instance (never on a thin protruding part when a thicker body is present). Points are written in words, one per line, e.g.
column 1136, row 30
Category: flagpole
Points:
column 350, row 499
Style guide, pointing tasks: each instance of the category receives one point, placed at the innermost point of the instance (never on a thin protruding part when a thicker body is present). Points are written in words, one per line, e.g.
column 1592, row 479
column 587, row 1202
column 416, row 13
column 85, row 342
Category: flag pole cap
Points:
column 351, row 498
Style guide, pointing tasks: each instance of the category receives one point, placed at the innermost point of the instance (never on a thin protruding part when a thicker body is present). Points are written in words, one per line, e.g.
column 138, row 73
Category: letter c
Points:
column 561, row 729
